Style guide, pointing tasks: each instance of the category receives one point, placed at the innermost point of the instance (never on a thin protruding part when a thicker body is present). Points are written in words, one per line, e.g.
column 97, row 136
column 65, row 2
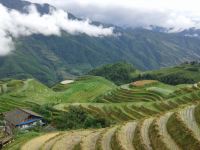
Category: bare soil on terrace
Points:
column 143, row 82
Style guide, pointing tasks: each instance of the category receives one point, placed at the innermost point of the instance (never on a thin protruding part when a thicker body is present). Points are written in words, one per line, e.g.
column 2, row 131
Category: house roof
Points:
column 27, row 122
column 19, row 115
column 31, row 112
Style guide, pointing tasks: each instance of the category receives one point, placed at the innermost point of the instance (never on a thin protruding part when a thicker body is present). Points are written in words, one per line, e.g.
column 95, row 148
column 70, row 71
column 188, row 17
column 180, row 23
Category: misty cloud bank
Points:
column 176, row 14
column 14, row 24
column 139, row 17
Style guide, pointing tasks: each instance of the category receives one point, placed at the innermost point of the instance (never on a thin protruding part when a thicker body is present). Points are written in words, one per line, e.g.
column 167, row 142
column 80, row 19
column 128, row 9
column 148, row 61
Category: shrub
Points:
column 77, row 117
column 193, row 69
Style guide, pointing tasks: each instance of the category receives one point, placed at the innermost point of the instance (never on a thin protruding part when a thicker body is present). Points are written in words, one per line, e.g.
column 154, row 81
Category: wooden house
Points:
column 21, row 119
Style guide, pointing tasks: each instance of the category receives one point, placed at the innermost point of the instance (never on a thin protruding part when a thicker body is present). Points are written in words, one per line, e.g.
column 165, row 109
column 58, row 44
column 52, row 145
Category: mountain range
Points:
column 53, row 58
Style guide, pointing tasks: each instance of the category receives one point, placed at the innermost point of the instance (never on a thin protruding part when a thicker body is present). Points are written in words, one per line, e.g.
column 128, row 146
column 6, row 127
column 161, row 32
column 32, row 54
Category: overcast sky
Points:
column 179, row 14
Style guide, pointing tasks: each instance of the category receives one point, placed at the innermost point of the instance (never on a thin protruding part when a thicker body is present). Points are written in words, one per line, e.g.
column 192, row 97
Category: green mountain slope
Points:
column 50, row 59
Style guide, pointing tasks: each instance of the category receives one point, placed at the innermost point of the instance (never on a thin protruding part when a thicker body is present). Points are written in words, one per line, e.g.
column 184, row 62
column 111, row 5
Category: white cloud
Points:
column 14, row 24
column 179, row 14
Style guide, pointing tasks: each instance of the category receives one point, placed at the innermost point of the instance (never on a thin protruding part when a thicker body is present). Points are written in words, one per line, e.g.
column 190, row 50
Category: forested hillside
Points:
column 187, row 72
column 120, row 73
column 52, row 58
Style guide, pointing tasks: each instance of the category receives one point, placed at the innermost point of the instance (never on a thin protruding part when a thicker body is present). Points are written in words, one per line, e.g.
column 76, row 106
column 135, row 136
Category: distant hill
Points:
column 123, row 73
column 21, row 6
column 185, row 73
column 51, row 59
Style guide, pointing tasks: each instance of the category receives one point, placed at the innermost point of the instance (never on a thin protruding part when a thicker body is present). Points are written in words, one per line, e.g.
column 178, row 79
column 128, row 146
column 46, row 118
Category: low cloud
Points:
column 176, row 14
column 14, row 24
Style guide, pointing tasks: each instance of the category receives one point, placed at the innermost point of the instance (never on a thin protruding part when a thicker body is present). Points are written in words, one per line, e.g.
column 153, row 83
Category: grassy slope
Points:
column 82, row 90
column 85, row 90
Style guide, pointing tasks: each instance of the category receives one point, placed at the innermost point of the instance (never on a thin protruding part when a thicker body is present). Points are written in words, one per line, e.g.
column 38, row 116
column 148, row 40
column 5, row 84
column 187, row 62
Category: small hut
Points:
column 21, row 119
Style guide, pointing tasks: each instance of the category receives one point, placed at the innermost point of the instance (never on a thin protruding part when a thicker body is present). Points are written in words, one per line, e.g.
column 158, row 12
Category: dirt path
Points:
column 145, row 132
column 126, row 135
column 162, row 121
column 89, row 142
column 187, row 115
column 106, row 139
column 36, row 143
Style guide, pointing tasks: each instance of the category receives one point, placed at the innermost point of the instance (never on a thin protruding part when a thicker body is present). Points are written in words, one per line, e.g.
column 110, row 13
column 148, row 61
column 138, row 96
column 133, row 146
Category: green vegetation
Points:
column 111, row 109
column 20, row 139
column 120, row 73
column 59, row 57
column 131, row 104
column 41, row 99
column 187, row 72
column 83, row 89
column 76, row 118
column 92, row 102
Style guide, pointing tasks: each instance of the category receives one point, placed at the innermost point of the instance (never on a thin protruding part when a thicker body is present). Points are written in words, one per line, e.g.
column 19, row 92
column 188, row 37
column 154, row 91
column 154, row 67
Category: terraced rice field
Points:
column 143, row 82
column 104, row 142
column 119, row 112
column 126, row 133
column 143, row 120
column 145, row 133
column 49, row 143
column 70, row 140
column 89, row 142
column 187, row 115
column 163, row 133
column 7, row 104
column 38, row 142
column 122, row 136
column 124, row 95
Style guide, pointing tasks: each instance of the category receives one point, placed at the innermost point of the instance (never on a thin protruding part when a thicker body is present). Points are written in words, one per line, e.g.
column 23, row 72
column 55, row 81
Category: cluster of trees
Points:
column 75, row 118
column 192, row 62
column 119, row 73
column 173, row 79
column 123, row 73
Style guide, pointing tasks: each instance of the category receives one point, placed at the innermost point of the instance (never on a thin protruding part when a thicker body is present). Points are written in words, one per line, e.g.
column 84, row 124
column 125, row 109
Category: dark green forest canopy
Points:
column 119, row 73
